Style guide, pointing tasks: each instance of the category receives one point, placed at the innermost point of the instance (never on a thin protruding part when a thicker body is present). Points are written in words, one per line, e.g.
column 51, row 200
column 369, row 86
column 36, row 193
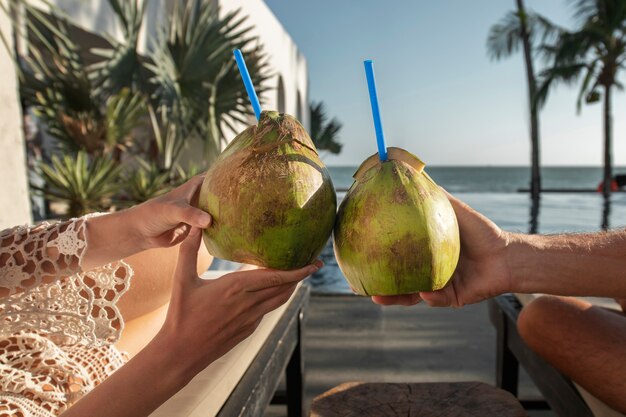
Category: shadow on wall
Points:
column 280, row 99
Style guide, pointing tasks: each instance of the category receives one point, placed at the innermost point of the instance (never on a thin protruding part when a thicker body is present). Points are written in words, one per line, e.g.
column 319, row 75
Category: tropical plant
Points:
column 528, row 30
column 127, row 106
column 57, row 84
column 84, row 183
column 120, row 66
column 595, row 51
column 145, row 182
column 324, row 132
column 198, row 88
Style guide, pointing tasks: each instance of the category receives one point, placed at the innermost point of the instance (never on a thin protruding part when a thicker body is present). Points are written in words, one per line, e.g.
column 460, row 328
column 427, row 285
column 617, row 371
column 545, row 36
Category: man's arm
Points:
column 592, row 264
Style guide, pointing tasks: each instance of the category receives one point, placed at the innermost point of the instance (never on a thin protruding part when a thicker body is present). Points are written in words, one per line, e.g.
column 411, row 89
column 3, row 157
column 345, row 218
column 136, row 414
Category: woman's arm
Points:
column 204, row 321
column 42, row 254
column 158, row 223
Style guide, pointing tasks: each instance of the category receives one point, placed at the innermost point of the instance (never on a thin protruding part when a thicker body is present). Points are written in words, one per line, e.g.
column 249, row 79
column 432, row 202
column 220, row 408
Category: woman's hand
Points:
column 160, row 222
column 166, row 220
column 482, row 271
column 205, row 319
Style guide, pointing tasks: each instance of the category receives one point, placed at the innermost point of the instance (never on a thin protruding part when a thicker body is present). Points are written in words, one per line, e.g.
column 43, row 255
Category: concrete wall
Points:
column 14, row 199
column 286, row 62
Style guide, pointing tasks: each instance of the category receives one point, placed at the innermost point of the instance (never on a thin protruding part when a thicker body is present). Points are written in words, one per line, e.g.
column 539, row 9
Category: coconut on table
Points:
column 271, row 198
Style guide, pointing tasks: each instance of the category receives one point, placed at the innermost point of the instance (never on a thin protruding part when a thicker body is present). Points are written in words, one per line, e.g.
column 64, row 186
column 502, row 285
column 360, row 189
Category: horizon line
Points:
column 487, row 166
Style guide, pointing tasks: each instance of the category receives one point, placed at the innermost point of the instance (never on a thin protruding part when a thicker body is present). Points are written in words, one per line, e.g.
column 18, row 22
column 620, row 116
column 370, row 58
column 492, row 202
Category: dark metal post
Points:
column 295, row 376
column 507, row 366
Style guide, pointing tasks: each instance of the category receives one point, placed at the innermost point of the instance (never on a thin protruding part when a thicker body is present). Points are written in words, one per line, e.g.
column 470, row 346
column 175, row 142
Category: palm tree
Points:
column 528, row 30
column 597, row 50
column 323, row 132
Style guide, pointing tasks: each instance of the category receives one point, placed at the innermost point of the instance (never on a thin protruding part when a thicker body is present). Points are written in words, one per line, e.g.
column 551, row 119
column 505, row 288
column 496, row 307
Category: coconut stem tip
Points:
column 378, row 122
column 247, row 82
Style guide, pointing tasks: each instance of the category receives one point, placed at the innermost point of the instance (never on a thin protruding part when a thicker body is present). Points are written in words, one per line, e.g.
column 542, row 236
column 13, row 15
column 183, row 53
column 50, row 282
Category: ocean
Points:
column 493, row 191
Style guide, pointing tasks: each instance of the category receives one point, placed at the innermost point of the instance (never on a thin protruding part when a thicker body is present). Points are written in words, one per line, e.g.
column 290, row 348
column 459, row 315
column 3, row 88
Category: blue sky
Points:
column 441, row 96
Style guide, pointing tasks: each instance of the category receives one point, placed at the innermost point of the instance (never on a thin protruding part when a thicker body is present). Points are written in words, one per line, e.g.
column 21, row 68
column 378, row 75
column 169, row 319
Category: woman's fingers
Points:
column 184, row 213
column 277, row 299
column 186, row 267
column 260, row 279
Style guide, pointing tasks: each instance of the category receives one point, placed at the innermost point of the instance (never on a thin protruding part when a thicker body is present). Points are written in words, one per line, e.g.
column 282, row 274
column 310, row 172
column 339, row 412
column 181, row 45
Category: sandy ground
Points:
column 349, row 338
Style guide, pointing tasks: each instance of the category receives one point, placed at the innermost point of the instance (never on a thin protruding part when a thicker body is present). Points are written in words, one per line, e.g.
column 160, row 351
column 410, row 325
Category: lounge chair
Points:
column 561, row 395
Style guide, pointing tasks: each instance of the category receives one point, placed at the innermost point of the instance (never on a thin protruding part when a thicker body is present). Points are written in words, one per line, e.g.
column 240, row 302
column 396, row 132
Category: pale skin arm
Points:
column 493, row 262
column 205, row 320
column 161, row 222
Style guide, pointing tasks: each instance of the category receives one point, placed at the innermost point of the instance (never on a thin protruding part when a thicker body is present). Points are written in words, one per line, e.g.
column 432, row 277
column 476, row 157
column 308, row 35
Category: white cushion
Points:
column 208, row 391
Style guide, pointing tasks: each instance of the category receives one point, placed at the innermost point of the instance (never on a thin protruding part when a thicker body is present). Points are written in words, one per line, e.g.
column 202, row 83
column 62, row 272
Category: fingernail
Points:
column 312, row 269
column 205, row 219
column 318, row 263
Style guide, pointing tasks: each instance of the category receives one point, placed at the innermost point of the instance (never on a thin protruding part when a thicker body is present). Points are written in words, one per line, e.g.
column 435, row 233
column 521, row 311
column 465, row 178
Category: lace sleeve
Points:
column 58, row 322
column 42, row 254
column 50, row 294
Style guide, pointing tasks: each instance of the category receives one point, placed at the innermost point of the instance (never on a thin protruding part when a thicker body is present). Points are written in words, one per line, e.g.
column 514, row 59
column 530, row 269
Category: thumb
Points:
column 438, row 298
column 186, row 267
column 471, row 222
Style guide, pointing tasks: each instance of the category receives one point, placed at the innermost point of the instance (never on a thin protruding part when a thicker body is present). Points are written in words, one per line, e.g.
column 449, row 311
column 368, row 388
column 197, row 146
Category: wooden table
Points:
column 445, row 399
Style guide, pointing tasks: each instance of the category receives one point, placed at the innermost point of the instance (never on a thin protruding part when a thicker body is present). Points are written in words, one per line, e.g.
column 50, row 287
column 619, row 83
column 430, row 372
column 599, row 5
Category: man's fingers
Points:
column 266, row 278
column 439, row 298
column 402, row 300
column 188, row 256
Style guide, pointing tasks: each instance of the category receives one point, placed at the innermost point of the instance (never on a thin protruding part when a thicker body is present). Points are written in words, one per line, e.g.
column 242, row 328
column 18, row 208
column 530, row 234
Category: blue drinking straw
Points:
column 378, row 122
column 247, row 82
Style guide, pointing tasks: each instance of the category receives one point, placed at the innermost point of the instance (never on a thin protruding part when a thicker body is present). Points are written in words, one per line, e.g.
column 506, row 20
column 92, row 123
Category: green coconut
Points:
column 396, row 232
column 271, row 198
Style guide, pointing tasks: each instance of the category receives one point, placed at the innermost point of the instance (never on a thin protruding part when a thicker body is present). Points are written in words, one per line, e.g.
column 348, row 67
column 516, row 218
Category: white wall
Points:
column 14, row 200
column 285, row 59
column 96, row 16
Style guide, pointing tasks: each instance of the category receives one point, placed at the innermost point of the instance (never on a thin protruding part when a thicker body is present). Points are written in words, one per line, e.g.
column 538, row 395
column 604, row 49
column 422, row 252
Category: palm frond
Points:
column 195, row 76
column 504, row 37
column 146, row 181
column 324, row 133
column 84, row 183
column 120, row 65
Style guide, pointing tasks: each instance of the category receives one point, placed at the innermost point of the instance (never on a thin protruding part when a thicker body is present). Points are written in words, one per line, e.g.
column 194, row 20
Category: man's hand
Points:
column 482, row 271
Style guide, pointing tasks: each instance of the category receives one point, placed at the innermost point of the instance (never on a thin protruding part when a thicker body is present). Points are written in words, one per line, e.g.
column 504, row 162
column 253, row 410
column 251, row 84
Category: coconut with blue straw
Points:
column 271, row 198
column 396, row 232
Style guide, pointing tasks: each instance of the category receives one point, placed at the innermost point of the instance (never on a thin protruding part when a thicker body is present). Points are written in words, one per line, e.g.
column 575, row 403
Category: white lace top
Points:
column 59, row 323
